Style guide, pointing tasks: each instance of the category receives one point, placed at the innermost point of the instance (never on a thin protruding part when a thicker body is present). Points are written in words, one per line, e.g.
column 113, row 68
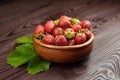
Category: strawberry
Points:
column 58, row 31
column 69, row 33
column 64, row 31
column 76, row 27
column 64, row 22
column 71, row 42
column 49, row 26
column 60, row 40
column 85, row 24
column 48, row 39
column 88, row 34
column 80, row 38
column 39, row 29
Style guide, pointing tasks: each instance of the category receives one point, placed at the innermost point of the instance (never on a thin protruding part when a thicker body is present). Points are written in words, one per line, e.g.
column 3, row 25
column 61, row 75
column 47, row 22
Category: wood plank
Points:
column 20, row 17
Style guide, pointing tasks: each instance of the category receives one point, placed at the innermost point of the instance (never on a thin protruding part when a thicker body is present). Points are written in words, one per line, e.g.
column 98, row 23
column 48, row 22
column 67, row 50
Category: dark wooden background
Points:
column 19, row 18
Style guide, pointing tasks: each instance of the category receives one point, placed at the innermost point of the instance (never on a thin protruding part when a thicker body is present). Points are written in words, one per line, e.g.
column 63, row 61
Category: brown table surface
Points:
column 18, row 18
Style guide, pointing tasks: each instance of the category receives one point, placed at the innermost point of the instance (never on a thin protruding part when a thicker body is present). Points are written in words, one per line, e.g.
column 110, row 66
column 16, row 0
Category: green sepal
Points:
column 69, row 34
column 56, row 22
column 75, row 21
column 61, row 30
column 40, row 36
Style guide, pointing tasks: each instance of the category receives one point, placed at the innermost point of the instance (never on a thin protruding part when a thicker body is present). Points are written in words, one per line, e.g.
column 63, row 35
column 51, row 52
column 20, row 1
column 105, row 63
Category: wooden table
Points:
column 19, row 18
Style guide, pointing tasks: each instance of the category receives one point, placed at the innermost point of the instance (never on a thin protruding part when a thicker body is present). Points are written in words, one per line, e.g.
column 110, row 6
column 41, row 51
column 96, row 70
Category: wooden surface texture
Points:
column 18, row 18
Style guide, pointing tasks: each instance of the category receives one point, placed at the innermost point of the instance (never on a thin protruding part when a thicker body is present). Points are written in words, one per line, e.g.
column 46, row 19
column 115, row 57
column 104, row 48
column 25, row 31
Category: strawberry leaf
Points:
column 25, row 53
column 37, row 65
column 21, row 55
column 24, row 40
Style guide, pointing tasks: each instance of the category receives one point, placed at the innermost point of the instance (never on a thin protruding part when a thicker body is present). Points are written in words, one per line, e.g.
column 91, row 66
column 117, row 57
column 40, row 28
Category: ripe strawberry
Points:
column 80, row 38
column 60, row 40
column 58, row 31
column 49, row 26
column 69, row 33
column 85, row 24
column 64, row 22
column 88, row 34
column 39, row 29
column 76, row 27
column 48, row 39
column 71, row 42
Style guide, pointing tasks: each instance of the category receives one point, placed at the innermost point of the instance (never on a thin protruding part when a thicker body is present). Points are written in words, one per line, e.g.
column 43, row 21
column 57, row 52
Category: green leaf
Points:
column 37, row 65
column 21, row 55
column 25, row 53
column 24, row 40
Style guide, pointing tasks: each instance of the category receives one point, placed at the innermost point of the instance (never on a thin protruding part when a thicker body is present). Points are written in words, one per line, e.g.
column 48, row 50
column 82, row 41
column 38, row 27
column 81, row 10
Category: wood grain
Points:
column 20, row 17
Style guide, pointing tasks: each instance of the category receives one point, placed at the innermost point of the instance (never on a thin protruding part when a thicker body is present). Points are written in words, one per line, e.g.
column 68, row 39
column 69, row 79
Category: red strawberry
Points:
column 49, row 26
column 85, row 24
column 71, row 42
column 80, row 38
column 76, row 27
column 60, row 40
column 64, row 22
column 88, row 33
column 48, row 39
column 58, row 31
column 39, row 29
column 69, row 33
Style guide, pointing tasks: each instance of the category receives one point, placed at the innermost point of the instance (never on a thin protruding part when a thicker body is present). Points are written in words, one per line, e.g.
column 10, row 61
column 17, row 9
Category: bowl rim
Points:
column 63, row 47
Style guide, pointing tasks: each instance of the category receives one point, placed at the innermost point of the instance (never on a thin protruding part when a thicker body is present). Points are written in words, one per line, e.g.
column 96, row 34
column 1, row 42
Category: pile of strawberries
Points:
column 64, row 31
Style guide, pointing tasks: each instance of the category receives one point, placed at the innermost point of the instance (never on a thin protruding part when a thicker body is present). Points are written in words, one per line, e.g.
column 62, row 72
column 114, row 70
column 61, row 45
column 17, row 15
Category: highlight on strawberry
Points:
column 64, row 31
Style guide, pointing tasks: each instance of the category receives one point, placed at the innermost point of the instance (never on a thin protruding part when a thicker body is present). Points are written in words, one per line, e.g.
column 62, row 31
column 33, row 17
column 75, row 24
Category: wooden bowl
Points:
column 63, row 54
